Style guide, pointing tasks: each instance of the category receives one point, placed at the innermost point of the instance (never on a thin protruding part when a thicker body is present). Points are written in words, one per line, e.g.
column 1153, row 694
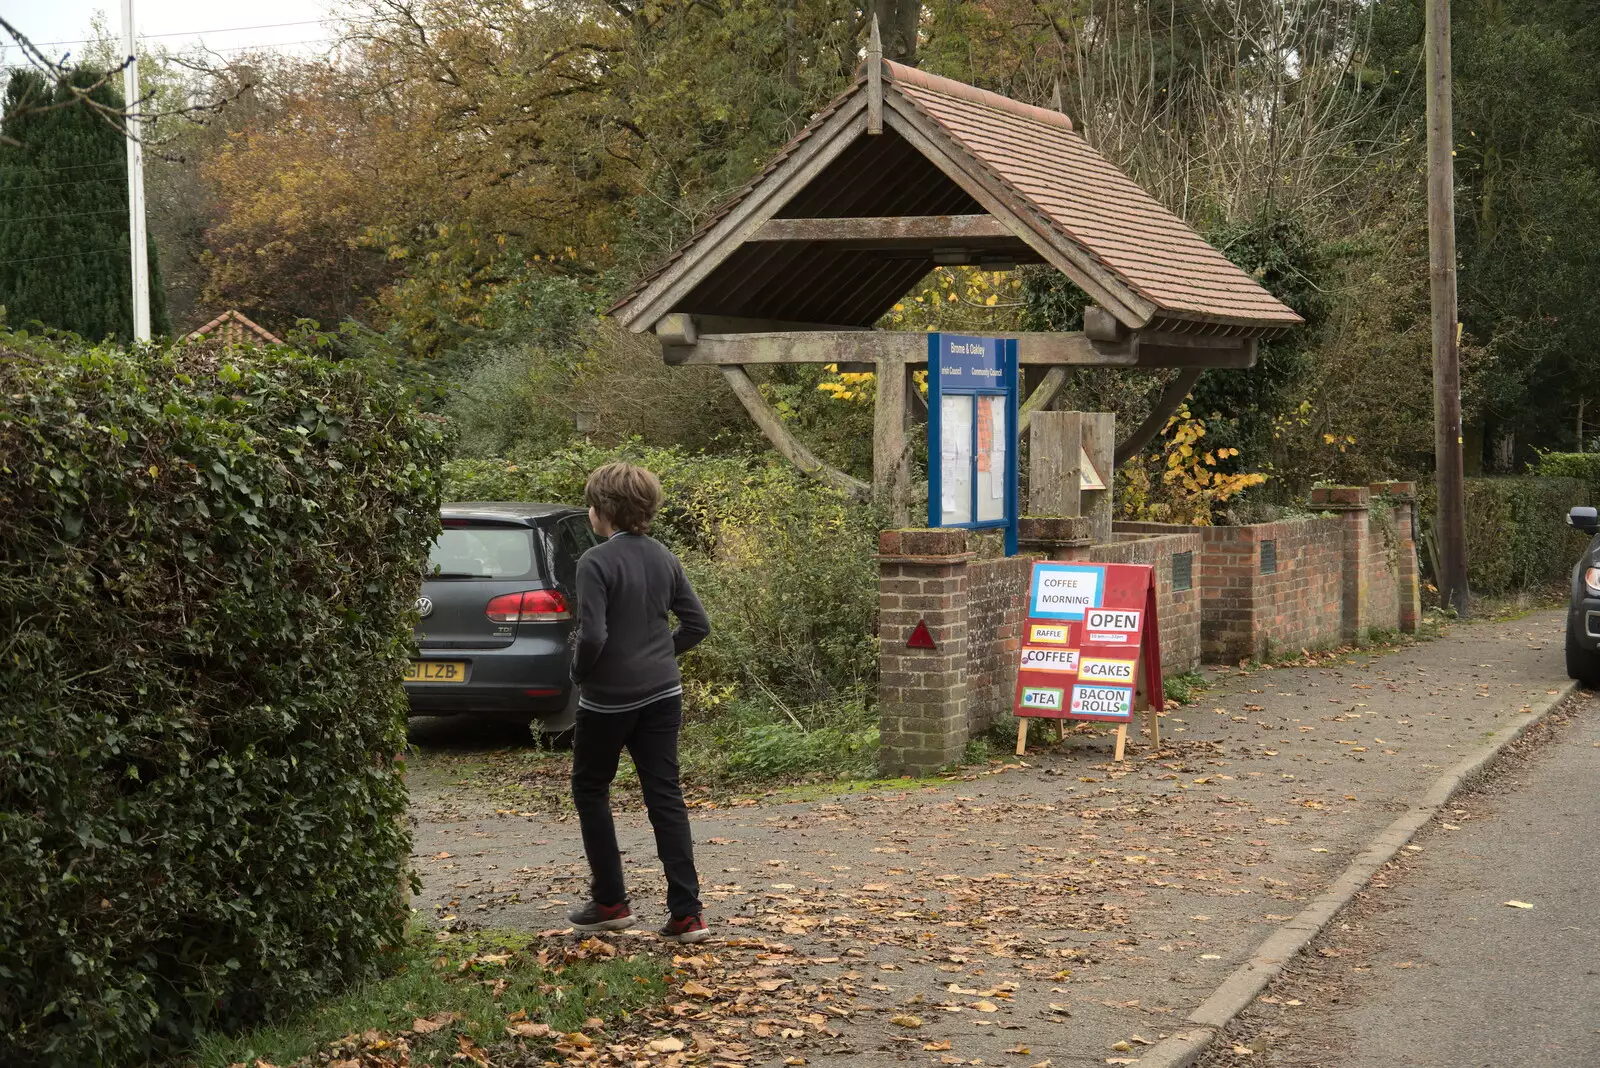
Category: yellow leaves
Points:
column 991, row 300
column 906, row 1021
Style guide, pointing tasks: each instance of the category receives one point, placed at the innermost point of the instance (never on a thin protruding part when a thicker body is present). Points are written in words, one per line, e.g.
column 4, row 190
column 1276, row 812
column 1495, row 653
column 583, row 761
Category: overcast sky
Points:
column 223, row 25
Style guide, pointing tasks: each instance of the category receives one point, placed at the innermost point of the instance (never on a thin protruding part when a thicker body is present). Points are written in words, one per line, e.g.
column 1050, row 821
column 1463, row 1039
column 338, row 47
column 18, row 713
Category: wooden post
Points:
column 1053, row 476
column 1022, row 736
column 875, row 80
column 1447, row 438
column 891, row 474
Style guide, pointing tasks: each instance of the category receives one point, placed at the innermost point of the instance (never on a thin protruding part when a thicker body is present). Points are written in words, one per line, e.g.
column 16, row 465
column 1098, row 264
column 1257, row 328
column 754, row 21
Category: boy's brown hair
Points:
column 626, row 496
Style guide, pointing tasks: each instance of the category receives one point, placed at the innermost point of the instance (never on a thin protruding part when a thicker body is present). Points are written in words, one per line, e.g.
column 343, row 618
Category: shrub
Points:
column 1517, row 534
column 783, row 563
column 1580, row 465
column 207, row 568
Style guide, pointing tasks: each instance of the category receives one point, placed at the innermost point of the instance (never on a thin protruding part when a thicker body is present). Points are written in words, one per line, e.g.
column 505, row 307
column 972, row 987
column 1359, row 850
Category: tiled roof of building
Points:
column 1078, row 202
column 1095, row 205
column 234, row 328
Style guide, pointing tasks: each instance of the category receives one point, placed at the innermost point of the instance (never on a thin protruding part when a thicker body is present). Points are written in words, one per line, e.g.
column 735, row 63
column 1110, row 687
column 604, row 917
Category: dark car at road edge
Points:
column 1583, row 610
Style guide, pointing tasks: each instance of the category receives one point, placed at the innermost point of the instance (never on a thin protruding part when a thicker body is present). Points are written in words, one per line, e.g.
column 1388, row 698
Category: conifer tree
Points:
column 64, row 213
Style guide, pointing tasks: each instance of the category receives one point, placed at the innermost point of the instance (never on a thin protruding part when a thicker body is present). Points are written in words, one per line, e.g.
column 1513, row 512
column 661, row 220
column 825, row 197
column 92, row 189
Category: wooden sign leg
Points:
column 1122, row 740
column 1022, row 735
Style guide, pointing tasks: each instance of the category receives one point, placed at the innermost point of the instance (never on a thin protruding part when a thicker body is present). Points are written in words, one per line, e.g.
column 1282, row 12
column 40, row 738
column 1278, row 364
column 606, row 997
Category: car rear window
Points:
column 482, row 552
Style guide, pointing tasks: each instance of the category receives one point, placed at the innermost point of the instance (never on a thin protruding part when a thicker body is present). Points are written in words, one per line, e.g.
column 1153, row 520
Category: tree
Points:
column 64, row 258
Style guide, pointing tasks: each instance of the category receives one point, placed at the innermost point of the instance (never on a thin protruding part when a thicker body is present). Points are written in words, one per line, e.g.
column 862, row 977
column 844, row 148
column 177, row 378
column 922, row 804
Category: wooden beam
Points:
column 1102, row 325
column 863, row 346
column 891, row 470
column 786, row 443
column 953, row 228
column 827, row 346
column 1161, row 410
column 1041, row 397
column 875, row 80
column 677, row 329
column 742, row 324
column 1239, row 355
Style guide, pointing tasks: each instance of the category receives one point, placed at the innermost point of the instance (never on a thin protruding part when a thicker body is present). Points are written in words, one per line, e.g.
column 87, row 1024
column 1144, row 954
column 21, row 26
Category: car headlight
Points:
column 1591, row 579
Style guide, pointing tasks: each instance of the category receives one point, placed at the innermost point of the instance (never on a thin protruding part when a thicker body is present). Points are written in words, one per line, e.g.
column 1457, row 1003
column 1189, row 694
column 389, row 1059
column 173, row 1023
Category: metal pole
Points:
column 137, row 243
column 1447, row 438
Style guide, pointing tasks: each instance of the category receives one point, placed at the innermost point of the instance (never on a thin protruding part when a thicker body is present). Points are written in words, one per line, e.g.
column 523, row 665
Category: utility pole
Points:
column 137, row 242
column 1450, row 529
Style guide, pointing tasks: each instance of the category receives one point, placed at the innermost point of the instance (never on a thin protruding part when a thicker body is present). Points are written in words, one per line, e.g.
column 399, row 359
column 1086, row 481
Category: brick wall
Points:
column 1257, row 590
column 1299, row 605
column 997, row 603
column 1177, row 611
column 1383, row 569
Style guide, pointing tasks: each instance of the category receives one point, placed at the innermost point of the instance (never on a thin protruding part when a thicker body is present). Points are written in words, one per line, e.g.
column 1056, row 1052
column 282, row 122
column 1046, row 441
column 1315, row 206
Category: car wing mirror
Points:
column 1584, row 519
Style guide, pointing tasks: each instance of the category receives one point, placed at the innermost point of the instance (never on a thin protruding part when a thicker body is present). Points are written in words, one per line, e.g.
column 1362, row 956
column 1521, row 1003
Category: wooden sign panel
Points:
column 1091, row 649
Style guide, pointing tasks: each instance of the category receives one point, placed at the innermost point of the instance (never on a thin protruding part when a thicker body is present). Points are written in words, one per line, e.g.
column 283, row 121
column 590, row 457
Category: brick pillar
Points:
column 1352, row 504
column 1055, row 537
column 922, row 693
column 1403, row 495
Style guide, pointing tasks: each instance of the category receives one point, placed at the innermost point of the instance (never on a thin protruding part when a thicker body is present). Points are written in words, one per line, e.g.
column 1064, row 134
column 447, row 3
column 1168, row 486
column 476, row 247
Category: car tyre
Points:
column 1582, row 664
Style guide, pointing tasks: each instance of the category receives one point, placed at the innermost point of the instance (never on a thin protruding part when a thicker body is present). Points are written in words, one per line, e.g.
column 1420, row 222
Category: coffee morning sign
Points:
column 1091, row 650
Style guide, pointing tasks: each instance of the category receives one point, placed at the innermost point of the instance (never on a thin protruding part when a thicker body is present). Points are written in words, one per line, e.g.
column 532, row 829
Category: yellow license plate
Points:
column 436, row 671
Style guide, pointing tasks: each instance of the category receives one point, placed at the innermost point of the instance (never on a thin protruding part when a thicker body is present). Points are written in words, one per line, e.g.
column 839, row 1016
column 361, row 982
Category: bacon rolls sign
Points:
column 1090, row 645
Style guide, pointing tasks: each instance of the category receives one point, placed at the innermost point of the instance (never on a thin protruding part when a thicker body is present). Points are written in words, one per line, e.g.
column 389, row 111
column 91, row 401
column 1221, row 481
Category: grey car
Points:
column 499, row 613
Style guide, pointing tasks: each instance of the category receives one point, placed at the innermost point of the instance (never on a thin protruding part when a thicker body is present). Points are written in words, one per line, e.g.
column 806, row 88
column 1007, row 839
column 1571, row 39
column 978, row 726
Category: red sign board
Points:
column 1090, row 647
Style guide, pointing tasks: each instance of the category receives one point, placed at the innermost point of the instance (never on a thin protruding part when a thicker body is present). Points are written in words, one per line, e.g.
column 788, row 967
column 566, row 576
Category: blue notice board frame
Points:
column 977, row 367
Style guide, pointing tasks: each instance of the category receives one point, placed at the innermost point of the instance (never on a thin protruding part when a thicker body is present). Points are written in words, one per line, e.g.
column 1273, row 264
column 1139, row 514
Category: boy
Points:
column 626, row 665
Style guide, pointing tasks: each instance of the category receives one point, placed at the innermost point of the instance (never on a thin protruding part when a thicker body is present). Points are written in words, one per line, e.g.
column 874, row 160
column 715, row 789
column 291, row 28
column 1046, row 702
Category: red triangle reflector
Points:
column 920, row 638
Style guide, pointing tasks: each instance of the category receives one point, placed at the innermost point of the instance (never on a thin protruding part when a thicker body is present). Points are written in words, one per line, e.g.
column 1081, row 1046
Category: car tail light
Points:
column 531, row 606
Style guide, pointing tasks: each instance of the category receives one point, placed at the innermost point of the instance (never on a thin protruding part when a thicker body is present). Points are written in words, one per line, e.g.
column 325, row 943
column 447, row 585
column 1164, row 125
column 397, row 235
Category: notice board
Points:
column 972, row 433
column 1091, row 647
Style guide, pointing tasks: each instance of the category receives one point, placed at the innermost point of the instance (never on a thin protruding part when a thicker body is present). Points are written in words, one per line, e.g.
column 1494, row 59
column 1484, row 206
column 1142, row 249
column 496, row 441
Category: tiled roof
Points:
column 1078, row 196
column 1090, row 202
column 234, row 328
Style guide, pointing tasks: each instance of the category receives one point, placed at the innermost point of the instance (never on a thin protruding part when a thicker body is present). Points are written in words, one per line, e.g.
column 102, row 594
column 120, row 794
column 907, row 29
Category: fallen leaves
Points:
column 668, row 1044
column 906, row 1020
column 428, row 1025
column 1519, row 904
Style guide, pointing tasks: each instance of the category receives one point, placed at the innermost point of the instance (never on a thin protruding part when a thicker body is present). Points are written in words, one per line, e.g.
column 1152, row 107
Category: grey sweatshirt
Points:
column 627, row 654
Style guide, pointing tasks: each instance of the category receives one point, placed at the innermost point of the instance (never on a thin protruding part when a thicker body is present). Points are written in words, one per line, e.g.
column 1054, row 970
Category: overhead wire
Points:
column 185, row 33
column 65, row 255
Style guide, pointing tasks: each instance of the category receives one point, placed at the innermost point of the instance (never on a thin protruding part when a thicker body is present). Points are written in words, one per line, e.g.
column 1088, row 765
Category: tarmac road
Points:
column 1435, row 968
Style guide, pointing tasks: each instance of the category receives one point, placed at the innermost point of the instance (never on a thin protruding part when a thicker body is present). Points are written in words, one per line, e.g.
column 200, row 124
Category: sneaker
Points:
column 686, row 929
column 597, row 917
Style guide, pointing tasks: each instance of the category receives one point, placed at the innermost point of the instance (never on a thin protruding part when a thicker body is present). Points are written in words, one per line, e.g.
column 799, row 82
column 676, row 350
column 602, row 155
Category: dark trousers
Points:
column 651, row 735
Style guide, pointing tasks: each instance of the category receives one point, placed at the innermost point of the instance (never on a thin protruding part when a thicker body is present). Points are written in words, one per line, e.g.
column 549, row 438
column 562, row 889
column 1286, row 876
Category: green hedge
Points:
column 207, row 568
column 1517, row 533
column 1579, row 465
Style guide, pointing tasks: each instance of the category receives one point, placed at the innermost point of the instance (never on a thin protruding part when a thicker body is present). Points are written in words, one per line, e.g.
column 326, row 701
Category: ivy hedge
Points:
column 208, row 562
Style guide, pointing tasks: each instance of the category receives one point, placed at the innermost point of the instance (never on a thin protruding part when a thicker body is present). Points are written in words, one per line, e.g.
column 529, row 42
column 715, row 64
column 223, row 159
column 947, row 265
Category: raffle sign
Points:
column 1091, row 650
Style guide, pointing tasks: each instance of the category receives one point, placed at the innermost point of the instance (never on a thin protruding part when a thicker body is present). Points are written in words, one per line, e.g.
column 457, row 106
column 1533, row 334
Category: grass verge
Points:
column 505, row 994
